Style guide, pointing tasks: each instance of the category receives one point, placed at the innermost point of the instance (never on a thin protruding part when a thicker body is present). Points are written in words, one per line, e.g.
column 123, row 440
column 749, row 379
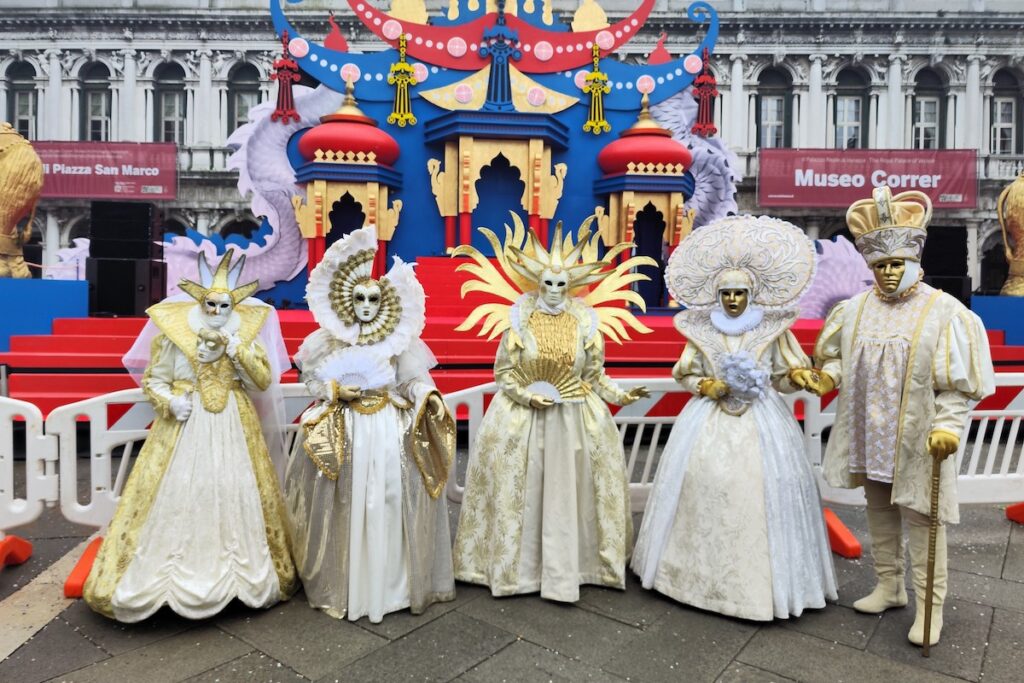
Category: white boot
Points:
column 887, row 551
column 919, row 565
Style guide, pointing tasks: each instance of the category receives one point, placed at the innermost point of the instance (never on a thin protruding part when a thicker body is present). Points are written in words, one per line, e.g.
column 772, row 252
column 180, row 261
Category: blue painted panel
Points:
column 30, row 306
column 1002, row 313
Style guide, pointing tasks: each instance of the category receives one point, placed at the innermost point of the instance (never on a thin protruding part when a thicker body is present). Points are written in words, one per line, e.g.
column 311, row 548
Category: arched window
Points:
column 21, row 98
column 242, row 226
column 851, row 110
column 95, row 102
column 243, row 94
column 1007, row 136
column 929, row 111
column 169, row 89
column 774, row 109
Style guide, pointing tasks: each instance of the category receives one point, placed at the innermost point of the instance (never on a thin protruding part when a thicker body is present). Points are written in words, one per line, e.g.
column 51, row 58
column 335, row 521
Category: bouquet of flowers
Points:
column 746, row 379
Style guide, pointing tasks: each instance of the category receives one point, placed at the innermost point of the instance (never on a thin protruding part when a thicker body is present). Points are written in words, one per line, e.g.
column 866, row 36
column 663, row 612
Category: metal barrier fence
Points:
column 991, row 466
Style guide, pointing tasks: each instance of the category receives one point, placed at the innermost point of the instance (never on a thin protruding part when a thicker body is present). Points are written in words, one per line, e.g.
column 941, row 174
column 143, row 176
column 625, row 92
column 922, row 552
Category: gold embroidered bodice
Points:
column 556, row 336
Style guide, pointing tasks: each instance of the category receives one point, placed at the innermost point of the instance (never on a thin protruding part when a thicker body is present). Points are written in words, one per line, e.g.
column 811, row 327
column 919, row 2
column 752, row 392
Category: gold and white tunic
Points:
column 546, row 506
column 908, row 366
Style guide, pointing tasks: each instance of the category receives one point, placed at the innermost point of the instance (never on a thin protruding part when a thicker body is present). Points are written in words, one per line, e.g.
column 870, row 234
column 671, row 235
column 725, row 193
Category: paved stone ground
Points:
column 609, row 635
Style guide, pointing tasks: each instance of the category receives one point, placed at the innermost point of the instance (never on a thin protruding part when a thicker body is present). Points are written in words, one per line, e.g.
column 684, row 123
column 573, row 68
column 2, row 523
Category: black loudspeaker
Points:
column 958, row 286
column 34, row 254
column 124, row 230
column 124, row 286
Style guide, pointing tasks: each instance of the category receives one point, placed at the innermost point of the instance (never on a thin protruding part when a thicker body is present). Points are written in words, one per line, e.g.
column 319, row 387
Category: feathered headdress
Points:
column 523, row 258
column 223, row 280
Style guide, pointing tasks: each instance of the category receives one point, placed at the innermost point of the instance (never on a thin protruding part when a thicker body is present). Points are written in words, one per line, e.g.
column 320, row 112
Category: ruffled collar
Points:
column 744, row 322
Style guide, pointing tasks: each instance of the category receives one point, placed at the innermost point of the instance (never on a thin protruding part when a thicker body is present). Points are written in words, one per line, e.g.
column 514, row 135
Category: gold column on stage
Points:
column 1010, row 208
column 21, row 177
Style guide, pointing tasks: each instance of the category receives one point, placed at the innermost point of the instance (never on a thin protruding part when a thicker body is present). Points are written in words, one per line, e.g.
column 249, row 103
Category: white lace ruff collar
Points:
column 744, row 322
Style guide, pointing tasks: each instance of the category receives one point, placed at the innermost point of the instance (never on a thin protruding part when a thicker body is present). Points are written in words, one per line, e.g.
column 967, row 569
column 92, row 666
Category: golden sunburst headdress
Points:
column 224, row 280
column 523, row 258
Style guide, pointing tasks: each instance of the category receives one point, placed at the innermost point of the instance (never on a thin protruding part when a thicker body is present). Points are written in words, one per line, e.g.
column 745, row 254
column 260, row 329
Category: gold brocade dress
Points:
column 546, row 506
column 365, row 496
column 201, row 518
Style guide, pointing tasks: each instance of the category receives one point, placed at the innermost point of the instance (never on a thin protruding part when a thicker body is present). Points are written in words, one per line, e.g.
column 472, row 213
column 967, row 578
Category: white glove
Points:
column 234, row 341
column 181, row 406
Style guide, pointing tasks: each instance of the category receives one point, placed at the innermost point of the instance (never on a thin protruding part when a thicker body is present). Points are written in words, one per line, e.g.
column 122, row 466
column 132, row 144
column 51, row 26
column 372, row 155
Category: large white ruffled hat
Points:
column 348, row 262
column 774, row 256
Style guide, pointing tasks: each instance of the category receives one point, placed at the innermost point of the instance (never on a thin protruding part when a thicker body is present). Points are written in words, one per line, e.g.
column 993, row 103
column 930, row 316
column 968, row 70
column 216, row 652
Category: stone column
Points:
column 128, row 130
column 813, row 229
column 51, row 239
column 972, row 127
column 738, row 125
column 894, row 133
column 51, row 121
column 816, row 136
column 973, row 255
column 204, row 99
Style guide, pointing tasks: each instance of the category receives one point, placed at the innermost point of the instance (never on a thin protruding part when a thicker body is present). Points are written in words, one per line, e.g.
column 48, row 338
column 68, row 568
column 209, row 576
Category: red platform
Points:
column 82, row 356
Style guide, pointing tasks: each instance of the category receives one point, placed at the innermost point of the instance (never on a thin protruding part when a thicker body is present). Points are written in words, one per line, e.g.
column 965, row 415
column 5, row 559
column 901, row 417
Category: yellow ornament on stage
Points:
column 1010, row 208
column 21, row 177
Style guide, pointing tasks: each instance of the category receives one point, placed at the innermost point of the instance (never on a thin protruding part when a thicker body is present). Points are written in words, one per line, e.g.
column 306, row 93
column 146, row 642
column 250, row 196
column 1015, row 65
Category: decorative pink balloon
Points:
column 580, row 79
column 456, row 47
column 298, row 47
column 463, row 93
column 693, row 64
column 543, row 51
column 420, row 71
column 645, row 84
column 605, row 40
column 536, row 96
column 350, row 72
column 391, row 29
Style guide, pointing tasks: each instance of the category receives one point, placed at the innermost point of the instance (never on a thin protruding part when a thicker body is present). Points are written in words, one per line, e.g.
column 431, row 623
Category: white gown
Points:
column 734, row 522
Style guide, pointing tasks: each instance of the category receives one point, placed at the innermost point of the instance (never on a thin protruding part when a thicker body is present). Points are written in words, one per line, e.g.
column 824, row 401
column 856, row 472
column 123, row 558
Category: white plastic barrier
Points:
column 990, row 459
column 40, row 473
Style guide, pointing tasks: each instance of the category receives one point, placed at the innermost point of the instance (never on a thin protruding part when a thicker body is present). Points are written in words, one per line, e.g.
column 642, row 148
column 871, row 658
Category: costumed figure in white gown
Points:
column 908, row 359
column 201, row 520
column 546, row 506
column 365, row 483
column 734, row 521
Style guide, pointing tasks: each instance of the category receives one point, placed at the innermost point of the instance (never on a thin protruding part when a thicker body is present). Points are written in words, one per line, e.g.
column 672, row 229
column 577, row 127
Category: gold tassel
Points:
column 402, row 77
column 597, row 86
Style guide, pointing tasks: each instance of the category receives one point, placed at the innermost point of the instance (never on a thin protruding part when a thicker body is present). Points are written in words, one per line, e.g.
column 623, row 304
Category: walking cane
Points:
column 933, row 532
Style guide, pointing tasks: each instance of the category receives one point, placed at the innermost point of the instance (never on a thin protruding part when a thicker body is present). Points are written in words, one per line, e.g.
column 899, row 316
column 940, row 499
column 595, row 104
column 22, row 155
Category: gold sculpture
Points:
column 1010, row 208
column 21, row 177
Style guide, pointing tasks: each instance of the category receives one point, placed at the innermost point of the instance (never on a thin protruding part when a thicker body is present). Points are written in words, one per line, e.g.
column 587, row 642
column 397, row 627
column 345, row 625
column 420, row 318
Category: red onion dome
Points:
column 348, row 131
column 644, row 143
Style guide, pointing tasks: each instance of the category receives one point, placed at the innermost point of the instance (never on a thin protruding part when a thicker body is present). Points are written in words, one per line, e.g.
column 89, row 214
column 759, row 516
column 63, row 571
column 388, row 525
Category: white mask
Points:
column 217, row 308
column 209, row 348
column 554, row 287
column 366, row 301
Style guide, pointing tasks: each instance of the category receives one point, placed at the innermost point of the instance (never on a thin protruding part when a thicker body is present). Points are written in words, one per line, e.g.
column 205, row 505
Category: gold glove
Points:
column 540, row 402
column 634, row 395
column 712, row 388
column 347, row 393
column 942, row 444
column 816, row 381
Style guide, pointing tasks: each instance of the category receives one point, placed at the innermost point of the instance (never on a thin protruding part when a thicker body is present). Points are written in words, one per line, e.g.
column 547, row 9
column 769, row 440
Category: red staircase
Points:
column 82, row 356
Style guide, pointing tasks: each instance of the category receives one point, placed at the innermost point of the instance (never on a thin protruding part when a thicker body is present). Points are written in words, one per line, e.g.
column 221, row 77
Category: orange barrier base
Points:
column 14, row 550
column 1015, row 513
column 76, row 579
column 842, row 540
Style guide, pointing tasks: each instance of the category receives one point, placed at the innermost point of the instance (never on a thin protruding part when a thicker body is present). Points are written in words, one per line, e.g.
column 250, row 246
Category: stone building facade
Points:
column 884, row 74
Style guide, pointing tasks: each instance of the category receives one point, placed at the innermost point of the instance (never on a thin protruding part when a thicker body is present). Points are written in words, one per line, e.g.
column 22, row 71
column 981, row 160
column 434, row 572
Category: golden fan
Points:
column 550, row 379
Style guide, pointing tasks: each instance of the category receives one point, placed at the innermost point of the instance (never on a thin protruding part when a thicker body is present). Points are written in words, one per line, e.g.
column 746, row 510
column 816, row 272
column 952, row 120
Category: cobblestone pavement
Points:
column 609, row 635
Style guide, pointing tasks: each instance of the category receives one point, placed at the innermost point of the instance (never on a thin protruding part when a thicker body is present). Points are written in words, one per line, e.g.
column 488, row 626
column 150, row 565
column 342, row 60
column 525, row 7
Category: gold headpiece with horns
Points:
column 224, row 280
column 887, row 226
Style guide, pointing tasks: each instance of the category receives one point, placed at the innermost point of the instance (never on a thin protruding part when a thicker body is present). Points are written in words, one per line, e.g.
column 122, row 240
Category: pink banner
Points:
column 109, row 170
column 836, row 178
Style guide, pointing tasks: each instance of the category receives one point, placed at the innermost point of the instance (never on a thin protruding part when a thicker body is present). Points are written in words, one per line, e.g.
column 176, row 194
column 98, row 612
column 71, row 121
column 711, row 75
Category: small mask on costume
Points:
column 554, row 287
column 889, row 274
column 734, row 301
column 217, row 308
column 210, row 346
column 366, row 300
